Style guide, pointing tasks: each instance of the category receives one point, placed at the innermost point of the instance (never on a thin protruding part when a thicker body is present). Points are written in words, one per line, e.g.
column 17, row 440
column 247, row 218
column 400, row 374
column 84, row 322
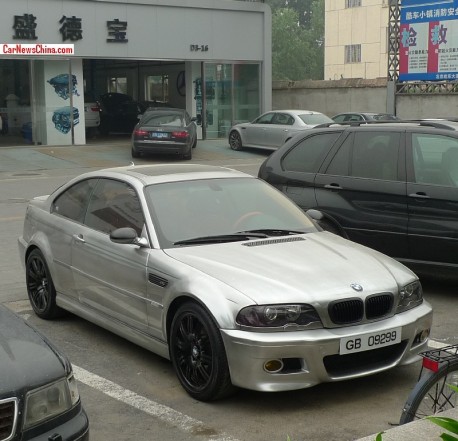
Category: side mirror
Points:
column 316, row 215
column 127, row 235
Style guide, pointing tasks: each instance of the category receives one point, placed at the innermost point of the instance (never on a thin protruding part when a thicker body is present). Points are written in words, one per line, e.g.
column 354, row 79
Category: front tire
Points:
column 40, row 287
column 198, row 355
column 235, row 141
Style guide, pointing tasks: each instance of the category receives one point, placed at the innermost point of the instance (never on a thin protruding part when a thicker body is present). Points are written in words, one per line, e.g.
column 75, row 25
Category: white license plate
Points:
column 367, row 342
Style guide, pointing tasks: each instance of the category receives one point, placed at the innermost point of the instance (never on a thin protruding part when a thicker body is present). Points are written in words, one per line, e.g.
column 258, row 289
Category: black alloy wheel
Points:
column 40, row 287
column 198, row 355
column 235, row 141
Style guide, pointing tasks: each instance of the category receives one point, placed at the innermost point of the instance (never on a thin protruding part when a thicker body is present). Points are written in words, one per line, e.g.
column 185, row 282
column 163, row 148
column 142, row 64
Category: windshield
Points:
column 214, row 207
column 315, row 119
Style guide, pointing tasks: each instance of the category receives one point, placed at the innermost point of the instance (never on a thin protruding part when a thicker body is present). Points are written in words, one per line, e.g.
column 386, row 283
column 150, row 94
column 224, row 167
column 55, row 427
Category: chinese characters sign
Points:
column 71, row 28
column 428, row 41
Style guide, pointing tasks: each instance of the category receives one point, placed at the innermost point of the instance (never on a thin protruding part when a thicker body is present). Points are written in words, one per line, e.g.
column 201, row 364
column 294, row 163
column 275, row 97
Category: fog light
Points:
column 273, row 366
column 422, row 336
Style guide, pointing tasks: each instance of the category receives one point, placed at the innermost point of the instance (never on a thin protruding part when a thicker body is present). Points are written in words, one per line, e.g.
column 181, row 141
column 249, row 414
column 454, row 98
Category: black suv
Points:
column 390, row 186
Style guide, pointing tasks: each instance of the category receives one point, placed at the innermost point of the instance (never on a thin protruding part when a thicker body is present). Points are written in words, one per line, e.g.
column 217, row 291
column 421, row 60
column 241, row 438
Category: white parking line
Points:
column 163, row 413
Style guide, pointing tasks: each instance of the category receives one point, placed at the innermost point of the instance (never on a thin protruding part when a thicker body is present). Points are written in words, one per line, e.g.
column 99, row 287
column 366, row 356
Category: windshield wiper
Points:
column 272, row 232
column 243, row 235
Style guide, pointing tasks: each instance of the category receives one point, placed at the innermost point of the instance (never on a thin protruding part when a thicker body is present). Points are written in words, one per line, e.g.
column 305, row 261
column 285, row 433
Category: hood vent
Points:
column 157, row 280
column 259, row 243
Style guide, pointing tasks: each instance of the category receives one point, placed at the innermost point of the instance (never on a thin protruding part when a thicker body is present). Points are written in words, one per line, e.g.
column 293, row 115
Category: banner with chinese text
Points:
column 428, row 48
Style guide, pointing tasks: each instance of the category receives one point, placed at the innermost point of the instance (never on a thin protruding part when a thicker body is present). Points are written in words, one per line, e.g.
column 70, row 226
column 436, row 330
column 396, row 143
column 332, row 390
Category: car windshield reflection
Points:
column 233, row 209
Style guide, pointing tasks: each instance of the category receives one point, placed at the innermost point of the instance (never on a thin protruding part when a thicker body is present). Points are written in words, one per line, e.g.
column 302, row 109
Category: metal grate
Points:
column 378, row 306
column 365, row 361
column 259, row 243
column 346, row 311
column 157, row 280
column 8, row 414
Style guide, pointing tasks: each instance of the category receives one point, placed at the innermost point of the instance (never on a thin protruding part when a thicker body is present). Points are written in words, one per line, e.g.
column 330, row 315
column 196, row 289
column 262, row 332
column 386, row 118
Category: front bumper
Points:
column 74, row 429
column 312, row 357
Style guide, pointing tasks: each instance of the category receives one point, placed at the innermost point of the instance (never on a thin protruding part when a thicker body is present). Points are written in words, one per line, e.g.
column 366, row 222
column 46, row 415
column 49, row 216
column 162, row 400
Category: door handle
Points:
column 333, row 187
column 419, row 195
column 79, row 238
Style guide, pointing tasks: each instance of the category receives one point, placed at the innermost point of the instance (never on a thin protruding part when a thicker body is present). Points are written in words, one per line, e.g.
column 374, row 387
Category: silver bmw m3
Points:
column 222, row 274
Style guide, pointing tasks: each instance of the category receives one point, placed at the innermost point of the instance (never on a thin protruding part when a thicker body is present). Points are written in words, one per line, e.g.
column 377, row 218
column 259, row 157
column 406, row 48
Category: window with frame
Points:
column 353, row 53
column 372, row 155
column 283, row 119
column 265, row 119
column 117, row 85
column 308, row 155
column 435, row 159
column 113, row 205
column 72, row 203
column 352, row 3
column 157, row 88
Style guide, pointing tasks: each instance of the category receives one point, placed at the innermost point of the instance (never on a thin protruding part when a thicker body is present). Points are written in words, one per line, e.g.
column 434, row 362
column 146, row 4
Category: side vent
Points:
column 157, row 280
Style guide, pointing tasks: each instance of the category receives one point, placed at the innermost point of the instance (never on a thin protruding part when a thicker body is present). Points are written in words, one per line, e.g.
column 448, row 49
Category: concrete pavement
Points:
column 105, row 153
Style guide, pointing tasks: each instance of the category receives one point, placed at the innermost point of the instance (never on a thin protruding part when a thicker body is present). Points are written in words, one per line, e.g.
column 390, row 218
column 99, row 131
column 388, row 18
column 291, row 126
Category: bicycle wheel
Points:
column 431, row 394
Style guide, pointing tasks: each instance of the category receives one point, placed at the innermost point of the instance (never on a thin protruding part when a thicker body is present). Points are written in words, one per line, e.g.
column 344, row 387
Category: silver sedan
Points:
column 272, row 129
column 222, row 274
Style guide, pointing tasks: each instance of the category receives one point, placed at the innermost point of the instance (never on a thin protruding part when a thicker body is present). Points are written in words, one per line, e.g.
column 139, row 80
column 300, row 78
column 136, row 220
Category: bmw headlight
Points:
column 279, row 316
column 410, row 296
column 49, row 401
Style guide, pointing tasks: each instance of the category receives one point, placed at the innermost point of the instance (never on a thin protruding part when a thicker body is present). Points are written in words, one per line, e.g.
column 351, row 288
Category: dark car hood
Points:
column 27, row 359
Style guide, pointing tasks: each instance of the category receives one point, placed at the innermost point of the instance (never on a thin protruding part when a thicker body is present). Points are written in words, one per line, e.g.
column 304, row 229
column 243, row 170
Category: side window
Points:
column 339, row 165
column 339, row 118
column 435, row 159
column 265, row 119
column 375, row 155
column 113, row 205
column 354, row 117
column 283, row 119
column 73, row 202
column 308, row 155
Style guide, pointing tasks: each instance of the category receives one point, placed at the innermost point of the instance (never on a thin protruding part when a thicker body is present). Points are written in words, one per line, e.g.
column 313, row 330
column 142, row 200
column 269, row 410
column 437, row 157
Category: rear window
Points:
column 163, row 119
column 315, row 118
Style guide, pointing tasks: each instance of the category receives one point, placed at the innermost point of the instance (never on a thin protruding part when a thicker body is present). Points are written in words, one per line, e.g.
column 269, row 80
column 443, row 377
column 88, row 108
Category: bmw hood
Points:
column 304, row 268
column 26, row 358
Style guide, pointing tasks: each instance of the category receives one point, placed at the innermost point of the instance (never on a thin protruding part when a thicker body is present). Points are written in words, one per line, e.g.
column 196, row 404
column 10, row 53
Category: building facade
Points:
column 356, row 39
column 212, row 58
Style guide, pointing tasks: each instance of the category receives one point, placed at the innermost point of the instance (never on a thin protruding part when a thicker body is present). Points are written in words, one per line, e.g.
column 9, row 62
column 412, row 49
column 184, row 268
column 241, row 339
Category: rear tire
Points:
column 188, row 156
column 135, row 154
column 235, row 141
